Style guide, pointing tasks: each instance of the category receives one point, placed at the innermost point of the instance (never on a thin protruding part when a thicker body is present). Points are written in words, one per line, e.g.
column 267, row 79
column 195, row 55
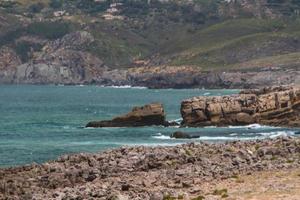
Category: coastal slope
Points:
column 155, row 43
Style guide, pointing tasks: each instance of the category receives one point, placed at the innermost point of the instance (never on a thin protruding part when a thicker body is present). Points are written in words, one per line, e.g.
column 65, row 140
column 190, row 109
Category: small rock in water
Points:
column 182, row 135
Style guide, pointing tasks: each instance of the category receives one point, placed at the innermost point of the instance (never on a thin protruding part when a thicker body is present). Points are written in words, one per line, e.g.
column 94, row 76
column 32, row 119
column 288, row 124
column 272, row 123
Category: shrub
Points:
column 23, row 50
column 49, row 30
column 7, row 4
column 92, row 6
column 36, row 8
column 56, row 4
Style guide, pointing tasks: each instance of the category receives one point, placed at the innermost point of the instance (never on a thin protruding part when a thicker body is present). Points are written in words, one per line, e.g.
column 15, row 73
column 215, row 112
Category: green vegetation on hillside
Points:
column 210, row 34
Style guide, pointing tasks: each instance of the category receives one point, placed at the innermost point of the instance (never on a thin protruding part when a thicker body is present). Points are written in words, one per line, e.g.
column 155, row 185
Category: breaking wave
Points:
column 251, row 126
column 234, row 136
column 125, row 87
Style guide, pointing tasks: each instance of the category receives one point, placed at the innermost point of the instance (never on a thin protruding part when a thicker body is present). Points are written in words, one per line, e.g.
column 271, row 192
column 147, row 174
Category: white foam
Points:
column 251, row 126
column 89, row 128
column 210, row 127
column 155, row 144
column 233, row 136
column 176, row 120
column 162, row 137
column 68, row 127
column 224, row 138
column 125, row 87
column 206, row 93
column 219, row 138
column 277, row 134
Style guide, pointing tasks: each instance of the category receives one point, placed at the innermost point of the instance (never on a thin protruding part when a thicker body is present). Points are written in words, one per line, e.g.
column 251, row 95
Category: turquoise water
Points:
column 40, row 123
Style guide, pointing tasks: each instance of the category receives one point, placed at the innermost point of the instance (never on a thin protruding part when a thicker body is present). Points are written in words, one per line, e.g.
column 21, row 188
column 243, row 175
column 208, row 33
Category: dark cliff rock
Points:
column 192, row 77
column 279, row 106
column 148, row 115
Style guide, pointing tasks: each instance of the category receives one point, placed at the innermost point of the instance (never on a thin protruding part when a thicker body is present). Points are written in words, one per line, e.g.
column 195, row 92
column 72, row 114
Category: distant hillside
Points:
column 205, row 34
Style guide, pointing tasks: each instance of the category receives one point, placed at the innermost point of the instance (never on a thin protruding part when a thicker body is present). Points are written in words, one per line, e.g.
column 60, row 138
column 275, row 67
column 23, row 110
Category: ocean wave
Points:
column 89, row 128
column 163, row 137
column 206, row 138
column 116, row 144
column 125, row 87
column 210, row 127
column 69, row 127
column 234, row 136
column 275, row 134
column 179, row 120
column 155, row 144
column 251, row 126
column 224, row 138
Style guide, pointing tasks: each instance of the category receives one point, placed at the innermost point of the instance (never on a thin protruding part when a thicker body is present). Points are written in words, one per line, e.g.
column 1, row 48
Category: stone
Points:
column 147, row 115
column 276, row 106
column 244, row 118
column 182, row 135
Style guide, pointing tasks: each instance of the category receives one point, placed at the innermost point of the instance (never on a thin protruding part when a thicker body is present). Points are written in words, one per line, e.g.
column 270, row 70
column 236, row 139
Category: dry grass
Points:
column 270, row 185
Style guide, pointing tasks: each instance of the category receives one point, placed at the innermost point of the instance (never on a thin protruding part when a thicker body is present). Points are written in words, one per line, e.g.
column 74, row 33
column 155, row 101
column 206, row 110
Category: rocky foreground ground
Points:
column 190, row 171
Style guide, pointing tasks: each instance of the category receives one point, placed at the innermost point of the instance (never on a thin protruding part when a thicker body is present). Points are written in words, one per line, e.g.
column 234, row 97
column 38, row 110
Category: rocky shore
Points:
column 150, row 173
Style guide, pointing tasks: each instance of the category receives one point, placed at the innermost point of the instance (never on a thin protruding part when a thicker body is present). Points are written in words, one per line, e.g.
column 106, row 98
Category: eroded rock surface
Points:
column 148, row 115
column 147, row 172
column 279, row 106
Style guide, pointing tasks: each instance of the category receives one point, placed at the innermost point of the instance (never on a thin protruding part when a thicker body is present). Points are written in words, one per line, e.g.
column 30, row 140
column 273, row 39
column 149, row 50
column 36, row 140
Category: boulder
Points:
column 148, row 115
column 183, row 135
column 276, row 106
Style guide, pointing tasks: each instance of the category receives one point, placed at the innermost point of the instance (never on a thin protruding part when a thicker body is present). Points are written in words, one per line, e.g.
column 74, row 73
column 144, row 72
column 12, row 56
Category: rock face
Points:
column 279, row 106
column 8, row 62
column 148, row 115
column 62, row 61
column 191, row 77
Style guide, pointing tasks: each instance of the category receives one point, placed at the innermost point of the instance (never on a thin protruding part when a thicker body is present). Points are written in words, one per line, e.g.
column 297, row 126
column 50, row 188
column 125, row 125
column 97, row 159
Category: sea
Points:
column 41, row 123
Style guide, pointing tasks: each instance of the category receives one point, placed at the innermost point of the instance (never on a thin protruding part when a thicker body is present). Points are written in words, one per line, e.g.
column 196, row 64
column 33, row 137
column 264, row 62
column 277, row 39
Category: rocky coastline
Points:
column 154, row 77
column 63, row 61
column 274, row 106
column 150, row 173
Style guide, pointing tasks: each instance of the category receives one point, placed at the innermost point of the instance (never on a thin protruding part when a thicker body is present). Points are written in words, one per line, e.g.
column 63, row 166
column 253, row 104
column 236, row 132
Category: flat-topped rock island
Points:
column 275, row 106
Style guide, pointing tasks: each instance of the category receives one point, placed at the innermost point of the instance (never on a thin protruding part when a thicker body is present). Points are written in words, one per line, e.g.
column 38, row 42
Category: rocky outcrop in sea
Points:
column 149, row 173
column 276, row 106
column 148, row 115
